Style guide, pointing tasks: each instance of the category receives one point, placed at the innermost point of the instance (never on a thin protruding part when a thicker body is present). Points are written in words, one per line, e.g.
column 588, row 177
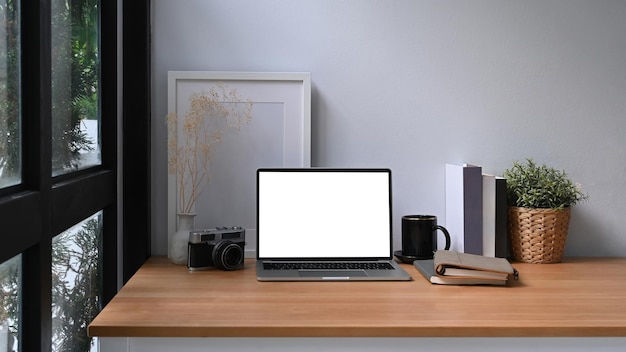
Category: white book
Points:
column 464, row 209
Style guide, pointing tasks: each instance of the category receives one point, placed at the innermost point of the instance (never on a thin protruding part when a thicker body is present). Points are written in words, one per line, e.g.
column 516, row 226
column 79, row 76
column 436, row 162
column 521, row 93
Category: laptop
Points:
column 321, row 224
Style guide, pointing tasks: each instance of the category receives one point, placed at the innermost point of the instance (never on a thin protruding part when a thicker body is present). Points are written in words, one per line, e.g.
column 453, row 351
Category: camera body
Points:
column 222, row 248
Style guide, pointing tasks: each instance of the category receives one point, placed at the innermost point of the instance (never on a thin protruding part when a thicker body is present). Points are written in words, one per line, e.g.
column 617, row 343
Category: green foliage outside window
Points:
column 76, row 286
column 76, row 267
column 9, row 295
column 9, row 92
column 74, row 88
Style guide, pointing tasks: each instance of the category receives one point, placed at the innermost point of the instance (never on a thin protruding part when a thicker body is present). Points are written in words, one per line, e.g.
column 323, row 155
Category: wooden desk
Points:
column 582, row 297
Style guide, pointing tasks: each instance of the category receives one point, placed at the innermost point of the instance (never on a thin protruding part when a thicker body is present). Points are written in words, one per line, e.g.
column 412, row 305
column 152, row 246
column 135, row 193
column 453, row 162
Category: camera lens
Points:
column 227, row 255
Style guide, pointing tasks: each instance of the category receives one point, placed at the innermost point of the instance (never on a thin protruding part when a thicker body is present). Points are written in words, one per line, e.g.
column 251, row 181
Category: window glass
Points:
column 75, row 85
column 9, row 304
column 76, row 285
column 10, row 146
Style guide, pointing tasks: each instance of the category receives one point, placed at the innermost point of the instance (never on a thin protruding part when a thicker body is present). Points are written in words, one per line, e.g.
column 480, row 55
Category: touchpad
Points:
column 332, row 273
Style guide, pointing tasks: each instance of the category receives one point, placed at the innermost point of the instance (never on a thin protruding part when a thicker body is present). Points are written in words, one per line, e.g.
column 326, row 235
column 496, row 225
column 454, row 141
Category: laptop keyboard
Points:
column 328, row 266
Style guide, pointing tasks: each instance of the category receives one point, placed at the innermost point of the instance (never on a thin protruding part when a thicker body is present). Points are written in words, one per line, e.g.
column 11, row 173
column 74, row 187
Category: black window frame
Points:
column 42, row 206
column 136, row 127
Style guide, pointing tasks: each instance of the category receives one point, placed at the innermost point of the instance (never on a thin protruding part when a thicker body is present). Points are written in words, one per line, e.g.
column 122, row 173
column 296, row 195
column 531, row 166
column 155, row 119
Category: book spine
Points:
column 473, row 209
column 454, row 206
column 502, row 241
column 489, row 215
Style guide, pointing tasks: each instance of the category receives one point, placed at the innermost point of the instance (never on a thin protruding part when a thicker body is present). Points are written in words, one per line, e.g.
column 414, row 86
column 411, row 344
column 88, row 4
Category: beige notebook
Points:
column 451, row 263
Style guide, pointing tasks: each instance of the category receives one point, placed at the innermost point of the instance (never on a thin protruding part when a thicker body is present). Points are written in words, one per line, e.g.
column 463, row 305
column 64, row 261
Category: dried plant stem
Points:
column 192, row 139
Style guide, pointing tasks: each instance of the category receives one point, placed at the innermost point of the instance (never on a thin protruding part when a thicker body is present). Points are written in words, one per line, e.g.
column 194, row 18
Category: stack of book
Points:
column 454, row 268
column 476, row 211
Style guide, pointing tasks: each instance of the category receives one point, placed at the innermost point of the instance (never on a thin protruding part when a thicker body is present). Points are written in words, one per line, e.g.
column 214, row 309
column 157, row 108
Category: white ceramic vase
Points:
column 178, row 245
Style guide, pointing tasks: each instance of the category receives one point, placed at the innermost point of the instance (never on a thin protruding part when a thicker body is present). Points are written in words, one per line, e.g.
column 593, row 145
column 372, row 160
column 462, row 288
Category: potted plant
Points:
column 540, row 200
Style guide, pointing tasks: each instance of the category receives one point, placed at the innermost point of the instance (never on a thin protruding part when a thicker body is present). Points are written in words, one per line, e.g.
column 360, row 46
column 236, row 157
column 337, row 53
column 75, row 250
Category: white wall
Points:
column 414, row 84
column 439, row 344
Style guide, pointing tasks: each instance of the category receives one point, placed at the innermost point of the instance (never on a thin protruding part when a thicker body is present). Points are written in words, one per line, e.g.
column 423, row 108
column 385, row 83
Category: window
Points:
column 47, row 187
column 76, row 284
column 58, row 168
column 10, row 148
column 9, row 304
column 75, row 89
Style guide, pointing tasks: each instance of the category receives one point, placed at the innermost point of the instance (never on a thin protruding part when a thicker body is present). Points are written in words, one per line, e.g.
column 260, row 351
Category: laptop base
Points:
column 396, row 274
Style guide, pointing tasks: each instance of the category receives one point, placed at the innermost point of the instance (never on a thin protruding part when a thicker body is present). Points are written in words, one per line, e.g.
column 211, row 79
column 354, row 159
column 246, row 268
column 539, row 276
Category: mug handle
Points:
column 445, row 233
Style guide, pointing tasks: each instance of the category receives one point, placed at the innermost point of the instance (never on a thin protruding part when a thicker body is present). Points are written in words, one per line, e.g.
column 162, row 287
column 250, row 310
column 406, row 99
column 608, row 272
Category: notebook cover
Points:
column 443, row 259
column 427, row 268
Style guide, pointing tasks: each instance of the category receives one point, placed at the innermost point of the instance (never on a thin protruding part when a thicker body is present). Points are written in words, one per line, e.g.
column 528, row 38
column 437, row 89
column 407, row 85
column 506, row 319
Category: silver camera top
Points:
column 217, row 234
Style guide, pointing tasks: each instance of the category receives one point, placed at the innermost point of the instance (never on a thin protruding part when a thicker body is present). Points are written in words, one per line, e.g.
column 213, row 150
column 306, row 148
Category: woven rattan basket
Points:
column 538, row 235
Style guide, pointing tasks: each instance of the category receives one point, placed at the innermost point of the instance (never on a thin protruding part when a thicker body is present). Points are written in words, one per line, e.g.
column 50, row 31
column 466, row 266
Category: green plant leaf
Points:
column 538, row 186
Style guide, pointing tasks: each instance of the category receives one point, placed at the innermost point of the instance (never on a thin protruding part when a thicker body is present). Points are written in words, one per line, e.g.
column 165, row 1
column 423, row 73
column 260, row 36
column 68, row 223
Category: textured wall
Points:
column 412, row 85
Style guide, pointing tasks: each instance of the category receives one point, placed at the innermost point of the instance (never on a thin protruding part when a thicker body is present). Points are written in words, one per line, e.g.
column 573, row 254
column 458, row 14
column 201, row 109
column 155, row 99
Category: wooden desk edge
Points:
column 135, row 329
column 389, row 332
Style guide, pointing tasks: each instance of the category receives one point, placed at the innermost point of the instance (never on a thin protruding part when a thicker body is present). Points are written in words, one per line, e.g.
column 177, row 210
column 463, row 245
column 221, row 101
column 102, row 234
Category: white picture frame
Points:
column 278, row 135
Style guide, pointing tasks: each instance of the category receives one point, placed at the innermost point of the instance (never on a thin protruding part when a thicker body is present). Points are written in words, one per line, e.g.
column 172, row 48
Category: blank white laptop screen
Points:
column 322, row 213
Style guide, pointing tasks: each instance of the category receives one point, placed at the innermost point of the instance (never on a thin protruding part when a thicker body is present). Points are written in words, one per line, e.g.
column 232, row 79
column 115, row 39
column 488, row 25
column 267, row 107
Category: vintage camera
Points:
column 221, row 248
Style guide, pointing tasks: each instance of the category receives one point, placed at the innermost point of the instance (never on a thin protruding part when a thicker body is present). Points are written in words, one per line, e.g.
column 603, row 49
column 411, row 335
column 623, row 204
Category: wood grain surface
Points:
column 578, row 297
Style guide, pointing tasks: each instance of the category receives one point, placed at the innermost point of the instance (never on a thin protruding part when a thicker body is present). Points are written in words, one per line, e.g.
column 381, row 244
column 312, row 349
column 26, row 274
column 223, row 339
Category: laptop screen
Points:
column 323, row 213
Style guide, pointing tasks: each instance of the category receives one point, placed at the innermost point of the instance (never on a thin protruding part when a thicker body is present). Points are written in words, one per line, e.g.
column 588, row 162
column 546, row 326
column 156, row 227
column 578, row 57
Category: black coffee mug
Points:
column 419, row 236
